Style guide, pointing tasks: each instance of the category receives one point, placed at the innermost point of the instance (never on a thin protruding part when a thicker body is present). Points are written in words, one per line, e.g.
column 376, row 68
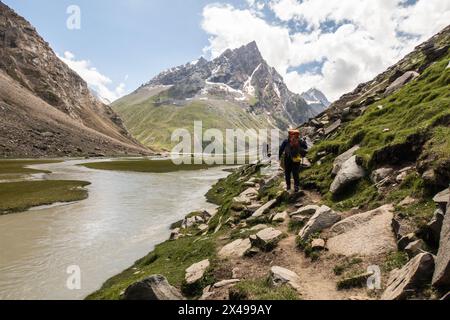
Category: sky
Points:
column 331, row 45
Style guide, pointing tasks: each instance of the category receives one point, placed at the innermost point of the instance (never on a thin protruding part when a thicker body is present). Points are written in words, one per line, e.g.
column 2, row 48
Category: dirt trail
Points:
column 318, row 281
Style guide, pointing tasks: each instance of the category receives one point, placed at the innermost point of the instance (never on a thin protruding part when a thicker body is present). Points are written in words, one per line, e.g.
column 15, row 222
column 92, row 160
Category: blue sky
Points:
column 332, row 45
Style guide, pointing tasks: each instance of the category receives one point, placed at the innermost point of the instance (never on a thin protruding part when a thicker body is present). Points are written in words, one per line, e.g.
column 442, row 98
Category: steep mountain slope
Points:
column 236, row 90
column 32, row 75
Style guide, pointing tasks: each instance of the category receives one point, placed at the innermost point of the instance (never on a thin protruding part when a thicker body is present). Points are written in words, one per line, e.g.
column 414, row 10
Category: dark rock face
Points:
column 154, row 288
column 242, row 73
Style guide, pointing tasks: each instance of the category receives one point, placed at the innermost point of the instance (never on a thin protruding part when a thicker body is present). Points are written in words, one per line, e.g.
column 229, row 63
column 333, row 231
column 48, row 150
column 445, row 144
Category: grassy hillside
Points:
column 153, row 124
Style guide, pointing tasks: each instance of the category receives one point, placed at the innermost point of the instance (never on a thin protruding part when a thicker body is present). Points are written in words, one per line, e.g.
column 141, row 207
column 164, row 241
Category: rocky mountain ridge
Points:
column 29, row 64
column 241, row 75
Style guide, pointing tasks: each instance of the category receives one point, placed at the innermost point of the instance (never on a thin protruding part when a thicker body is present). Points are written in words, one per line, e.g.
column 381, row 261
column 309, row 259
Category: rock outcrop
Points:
column 368, row 233
column 266, row 239
column 441, row 277
column 414, row 275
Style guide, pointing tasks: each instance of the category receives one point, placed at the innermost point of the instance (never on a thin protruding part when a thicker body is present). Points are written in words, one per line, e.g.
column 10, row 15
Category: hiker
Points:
column 291, row 152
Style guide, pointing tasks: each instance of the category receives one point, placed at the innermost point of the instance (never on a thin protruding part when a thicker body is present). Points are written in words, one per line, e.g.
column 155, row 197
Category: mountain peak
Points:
column 315, row 96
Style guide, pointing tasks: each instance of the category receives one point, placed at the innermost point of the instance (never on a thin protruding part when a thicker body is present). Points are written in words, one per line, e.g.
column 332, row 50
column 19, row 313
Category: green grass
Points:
column 9, row 167
column 150, row 166
column 169, row 259
column 417, row 117
column 260, row 289
column 20, row 196
column 395, row 260
column 153, row 124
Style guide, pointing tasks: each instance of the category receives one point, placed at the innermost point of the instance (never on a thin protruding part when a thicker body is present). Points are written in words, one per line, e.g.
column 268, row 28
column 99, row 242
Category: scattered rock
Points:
column 350, row 172
column 318, row 244
column 407, row 201
column 155, row 287
column 197, row 271
column 235, row 273
column 414, row 248
column 267, row 239
column 415, row 274
column 236, row 249
column 367, row 233
column 401, row 81
column 264, row 209
column 340, row 160
column 441, row 277
column 280, row 217
column 280, row 276
column 307, row 210
column 381, row 174
column 225, row 283
column 332, row 128
column 322, row 219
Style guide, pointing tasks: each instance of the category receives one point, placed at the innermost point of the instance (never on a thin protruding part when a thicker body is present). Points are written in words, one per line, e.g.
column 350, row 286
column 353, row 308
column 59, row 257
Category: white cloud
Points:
column 98, row 82
column 351, row 40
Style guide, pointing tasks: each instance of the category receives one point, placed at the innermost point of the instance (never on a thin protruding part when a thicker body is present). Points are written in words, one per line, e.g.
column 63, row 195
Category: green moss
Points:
column 348, row 263
column 395, row 260
column 260, row 289
column 169, row 259
column 20, row 196
column 152, row 166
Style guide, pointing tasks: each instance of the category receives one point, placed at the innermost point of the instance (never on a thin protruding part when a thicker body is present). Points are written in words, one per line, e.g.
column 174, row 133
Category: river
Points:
column 125, row 216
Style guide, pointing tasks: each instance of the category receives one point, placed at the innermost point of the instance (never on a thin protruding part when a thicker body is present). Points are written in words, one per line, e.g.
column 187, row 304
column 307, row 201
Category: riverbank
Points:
column 18, row 193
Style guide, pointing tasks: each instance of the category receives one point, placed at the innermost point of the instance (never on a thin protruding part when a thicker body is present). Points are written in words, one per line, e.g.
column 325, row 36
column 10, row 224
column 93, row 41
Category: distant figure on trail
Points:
column 291, row 152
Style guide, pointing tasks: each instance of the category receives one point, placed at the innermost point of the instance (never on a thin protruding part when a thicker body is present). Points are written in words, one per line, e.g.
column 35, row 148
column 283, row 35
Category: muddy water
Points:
column 125, row 215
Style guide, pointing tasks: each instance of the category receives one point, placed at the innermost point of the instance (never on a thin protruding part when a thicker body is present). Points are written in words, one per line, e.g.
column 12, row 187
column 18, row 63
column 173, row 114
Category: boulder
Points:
column 381, row 174
column 236, row 249
column 322, row 219
column 267, row 239
column 307, row 210
column 414, row 275
column 280, row 217
column 340, row 160
column 442, row 197
column 318, row 244
column 441, row 277
column 350, row 172
column 414, row 248
column 280, row 276
column 264, row 209
column 401, row 177
column 367, row 233
column 435, row 226
column 196, row 272
column 401, row 81
column 155, row 287
column 175, row 234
